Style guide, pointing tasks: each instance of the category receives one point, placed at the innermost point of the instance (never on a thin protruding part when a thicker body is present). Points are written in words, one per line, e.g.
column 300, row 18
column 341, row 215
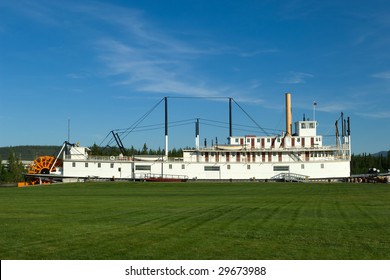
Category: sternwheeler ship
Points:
column 295, row 155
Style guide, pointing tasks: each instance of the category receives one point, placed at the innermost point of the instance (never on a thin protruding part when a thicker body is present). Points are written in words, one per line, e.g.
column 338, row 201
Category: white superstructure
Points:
column 296, row 155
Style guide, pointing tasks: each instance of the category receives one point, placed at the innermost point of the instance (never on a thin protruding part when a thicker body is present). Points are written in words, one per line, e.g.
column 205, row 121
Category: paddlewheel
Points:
column 43, row 164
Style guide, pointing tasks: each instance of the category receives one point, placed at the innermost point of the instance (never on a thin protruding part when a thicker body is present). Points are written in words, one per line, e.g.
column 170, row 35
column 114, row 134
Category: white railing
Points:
column 291, row 177
column 163, row 176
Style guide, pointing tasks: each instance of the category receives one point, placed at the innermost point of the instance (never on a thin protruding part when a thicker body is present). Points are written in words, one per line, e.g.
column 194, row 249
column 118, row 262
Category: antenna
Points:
column 68, row 130
column 314, row 110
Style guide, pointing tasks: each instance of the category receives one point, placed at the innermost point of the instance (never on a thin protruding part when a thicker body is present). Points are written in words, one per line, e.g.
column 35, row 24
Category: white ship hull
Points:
column 204, row 171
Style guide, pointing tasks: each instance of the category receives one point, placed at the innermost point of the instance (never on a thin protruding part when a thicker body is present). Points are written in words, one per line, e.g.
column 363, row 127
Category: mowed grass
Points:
column 195, row 220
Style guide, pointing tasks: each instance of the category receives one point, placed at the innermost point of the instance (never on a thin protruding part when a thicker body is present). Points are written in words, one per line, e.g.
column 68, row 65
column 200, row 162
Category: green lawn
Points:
column 196, row 221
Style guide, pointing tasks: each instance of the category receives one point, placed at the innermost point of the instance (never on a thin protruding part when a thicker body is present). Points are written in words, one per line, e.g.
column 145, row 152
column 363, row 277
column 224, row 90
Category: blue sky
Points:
column 104, row 64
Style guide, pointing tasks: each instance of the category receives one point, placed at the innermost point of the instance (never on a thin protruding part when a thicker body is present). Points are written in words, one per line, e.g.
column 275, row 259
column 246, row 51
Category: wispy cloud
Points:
column 149, row 70
column 255, row 84
column 258, row 52
column 31, row 10
column 252, row 100
column 376, row 115
column 382, row 75
column 151, row 60
column 332, row 107
column 138, row 53
column 297, row 78
column 75, row 76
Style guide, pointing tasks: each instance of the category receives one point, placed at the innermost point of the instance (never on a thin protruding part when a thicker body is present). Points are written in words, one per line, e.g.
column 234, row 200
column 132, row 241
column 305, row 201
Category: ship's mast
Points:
column 230, row 118
column 288, row 114
column 166, row 127
column 197, row 134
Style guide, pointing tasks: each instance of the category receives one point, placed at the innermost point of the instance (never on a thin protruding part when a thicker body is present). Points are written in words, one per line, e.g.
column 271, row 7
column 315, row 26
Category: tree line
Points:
column 108, row 151
column 13, row 171
column 360, row 164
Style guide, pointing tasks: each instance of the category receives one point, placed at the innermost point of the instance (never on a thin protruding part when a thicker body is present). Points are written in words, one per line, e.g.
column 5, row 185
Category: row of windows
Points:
column 99, row 165
column 259, row 154
column 112, row 165
column 308, row 125
column 248, row 140
column 143, row 167
column 278, row 168
column 206, row 168
column 86, row 165
column 322, row 166
column 282, row 168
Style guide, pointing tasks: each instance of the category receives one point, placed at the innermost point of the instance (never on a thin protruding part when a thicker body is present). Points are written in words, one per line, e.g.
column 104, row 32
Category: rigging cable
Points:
column 131, row 128
column 251, row 118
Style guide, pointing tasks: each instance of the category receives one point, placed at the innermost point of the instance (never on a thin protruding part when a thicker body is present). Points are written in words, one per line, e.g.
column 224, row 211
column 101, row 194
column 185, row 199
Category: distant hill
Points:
column 29, row 152
column 378, row 154
column 383, row 153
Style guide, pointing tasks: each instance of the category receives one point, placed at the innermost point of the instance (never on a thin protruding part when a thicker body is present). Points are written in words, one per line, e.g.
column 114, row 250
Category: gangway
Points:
column 290, row 177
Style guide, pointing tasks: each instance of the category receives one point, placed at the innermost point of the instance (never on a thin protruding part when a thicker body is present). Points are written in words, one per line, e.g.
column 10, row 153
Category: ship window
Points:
column 322, row 166
column 278, row 139
column 303, row 125
column 248, row 167
column 228, row 166
column 86, row 164
column 112, row 165
column 298, row 140
column 268, row 140
column 183, row 166
column 236, row 140
column 99, row 165
column 73, row 164
column 211, row 168
column 170, row 166
column 248, row 140
column 143, row 167
column 302, row 166
column 258, row 140
column 281, row 168
column 311, row 125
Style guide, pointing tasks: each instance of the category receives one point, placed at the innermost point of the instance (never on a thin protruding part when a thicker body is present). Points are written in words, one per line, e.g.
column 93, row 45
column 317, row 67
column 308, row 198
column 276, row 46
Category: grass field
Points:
column 195, row 221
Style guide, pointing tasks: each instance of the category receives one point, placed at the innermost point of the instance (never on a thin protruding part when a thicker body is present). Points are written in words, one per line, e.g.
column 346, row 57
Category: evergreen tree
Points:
column 95, row 149
column 2, row 171
column 360, row 164
column 144, row 149
column 388, row 161
column 131, row 151
column 14, row 172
